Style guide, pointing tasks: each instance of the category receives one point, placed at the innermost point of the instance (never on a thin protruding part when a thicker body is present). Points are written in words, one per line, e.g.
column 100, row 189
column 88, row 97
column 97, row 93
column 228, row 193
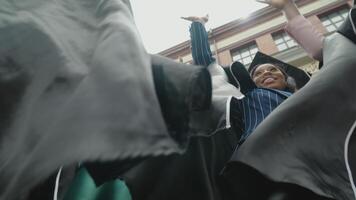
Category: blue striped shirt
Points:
column 255, row 107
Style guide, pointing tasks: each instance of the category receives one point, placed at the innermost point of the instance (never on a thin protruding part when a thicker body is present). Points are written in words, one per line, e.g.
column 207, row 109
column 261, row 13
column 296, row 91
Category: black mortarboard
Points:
column 348, row 28
column 299, row 75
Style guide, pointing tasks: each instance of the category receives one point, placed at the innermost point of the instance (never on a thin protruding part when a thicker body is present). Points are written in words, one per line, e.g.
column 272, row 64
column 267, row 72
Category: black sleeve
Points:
column 242, row 77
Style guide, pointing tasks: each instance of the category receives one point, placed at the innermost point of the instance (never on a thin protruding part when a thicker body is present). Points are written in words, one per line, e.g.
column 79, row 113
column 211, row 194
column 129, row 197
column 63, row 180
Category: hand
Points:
column 202, row 20
column 288, row 7
column 279, row 4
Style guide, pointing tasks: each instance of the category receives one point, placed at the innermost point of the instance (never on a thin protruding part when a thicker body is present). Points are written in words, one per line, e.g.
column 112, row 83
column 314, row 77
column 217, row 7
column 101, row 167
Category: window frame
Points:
column 249, row 50
column 329, row 21
column 282, row 38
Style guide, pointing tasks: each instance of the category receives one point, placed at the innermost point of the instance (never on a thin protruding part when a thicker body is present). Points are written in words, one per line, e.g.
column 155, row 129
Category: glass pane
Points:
column 344, row 13
column 252, row 47
column 323, row 18
column 247, row 60
column 234, row 58
column 331, row 28
column 332, row 15
column 253, row 55
column 339, row 23
column 237, row 56
column 279, row 41
column 291, row 43
column 277, row 36
column 286, row 37
column 326, row 22
column 245, row 53
column 254, row 50
column 282, row 47
column 336, row 19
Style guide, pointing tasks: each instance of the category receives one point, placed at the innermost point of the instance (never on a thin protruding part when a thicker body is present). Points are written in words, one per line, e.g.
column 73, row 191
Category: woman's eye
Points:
column 257, row 74
column 273, row 69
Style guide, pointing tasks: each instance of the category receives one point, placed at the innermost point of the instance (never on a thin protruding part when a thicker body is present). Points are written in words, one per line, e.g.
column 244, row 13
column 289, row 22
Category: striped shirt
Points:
column 255, row 107
column 200, row 46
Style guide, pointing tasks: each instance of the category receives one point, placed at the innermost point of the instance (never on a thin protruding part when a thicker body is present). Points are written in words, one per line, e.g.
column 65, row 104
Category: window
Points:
column 245, row 54
column 283, row 41
column 333, row 20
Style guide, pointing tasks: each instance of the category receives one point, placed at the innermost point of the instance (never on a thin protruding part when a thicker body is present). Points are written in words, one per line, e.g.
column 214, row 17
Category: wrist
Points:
column 290, row 10
column 199, row 22
column 289, row 5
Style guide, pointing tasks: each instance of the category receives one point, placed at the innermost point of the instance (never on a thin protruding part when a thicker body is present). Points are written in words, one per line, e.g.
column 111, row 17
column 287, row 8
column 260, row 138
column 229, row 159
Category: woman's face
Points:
column 269, row 76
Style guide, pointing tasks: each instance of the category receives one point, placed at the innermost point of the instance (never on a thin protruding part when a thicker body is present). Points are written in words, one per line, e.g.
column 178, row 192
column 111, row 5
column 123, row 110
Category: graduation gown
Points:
column 196, row 173
column 76, row 85
column 308, row 140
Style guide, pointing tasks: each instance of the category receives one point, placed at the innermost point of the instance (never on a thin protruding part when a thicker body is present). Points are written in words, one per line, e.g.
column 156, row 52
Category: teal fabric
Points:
column 83, row 188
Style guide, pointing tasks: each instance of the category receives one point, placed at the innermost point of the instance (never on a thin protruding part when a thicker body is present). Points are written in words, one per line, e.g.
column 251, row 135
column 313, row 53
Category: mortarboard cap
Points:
column 299, row 75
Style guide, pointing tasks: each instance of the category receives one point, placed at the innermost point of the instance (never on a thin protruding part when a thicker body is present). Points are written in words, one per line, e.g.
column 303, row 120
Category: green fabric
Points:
column 84, row 188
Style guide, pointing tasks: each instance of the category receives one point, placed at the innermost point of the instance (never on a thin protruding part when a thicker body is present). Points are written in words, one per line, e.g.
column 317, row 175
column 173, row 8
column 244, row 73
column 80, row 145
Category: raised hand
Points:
column 202, row 20
column 288, row 7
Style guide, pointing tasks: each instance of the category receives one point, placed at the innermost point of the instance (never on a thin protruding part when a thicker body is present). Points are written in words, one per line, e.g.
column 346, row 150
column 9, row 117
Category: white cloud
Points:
column 160, row 25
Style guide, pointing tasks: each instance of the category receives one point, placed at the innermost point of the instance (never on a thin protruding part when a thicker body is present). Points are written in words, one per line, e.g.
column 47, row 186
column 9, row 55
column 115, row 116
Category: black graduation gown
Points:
column 76, row 85
column 195, row 174
column 305, row 140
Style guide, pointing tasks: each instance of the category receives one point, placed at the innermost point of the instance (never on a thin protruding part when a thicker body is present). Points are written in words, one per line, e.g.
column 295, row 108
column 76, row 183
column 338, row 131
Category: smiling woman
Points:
column 302, row 149
column 272, row 76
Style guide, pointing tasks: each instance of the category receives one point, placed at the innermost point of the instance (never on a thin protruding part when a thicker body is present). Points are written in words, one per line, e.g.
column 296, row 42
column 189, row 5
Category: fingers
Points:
column 264, row 1
column 193, row 18
column 188, row 18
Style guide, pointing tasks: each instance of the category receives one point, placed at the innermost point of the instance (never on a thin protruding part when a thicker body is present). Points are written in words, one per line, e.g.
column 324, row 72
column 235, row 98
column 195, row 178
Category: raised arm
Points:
column 199, row 41
column 299, row 28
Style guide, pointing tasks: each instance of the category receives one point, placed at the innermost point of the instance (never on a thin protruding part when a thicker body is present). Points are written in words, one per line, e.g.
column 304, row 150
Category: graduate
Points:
column 267, row 84
column 305, row 148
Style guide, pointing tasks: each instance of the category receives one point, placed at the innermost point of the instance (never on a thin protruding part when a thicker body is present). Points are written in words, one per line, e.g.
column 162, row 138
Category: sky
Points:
column 160, row 26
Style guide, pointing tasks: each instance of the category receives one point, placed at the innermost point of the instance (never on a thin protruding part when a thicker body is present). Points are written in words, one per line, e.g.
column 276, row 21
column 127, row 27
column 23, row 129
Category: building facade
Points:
column 263, row 31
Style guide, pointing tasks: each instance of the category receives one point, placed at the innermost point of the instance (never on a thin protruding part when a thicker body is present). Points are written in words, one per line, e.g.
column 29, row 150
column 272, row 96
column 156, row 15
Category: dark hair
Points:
column 291, row 84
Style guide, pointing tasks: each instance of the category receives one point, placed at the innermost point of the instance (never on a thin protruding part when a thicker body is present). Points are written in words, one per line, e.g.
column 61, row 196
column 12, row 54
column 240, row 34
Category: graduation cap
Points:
column 300, row 76
column 348, row 28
